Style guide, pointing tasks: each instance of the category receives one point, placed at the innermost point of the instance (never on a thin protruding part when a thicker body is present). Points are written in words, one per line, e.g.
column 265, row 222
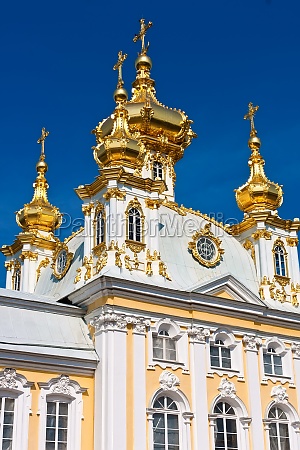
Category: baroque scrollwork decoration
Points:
column 279, row 394
column 252, row 342
column 169, row 381
column 206, row 247
column 8, row 379
column 61, row 260
column 227, row 388
column 198, row 334
column 115, row 321
column 62, row 386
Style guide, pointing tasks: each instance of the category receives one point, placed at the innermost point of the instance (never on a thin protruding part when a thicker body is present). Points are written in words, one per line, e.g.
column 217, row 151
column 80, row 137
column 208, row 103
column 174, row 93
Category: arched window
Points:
column 157, row 170
column 164, row 346
column 226, row 427
column 220, row 355
column 278, row 429
column 134, row 225
column 99, row 228
column 272, row 362
column 280, row 260
column 165, row 424
column 17, row 279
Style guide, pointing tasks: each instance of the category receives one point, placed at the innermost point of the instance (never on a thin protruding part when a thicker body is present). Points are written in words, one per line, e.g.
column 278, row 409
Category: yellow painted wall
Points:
column 87, row 432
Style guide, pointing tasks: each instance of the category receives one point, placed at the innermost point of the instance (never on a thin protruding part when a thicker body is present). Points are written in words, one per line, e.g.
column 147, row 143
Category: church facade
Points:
column 153, row 327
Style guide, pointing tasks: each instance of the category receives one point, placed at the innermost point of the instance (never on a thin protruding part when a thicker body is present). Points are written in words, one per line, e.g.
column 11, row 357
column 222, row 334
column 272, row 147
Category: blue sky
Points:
column 209, row 58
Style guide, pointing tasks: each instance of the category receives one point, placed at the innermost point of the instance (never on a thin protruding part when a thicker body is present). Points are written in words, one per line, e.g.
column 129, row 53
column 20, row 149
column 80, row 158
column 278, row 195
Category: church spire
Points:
column 39, row 214
column 258, row 193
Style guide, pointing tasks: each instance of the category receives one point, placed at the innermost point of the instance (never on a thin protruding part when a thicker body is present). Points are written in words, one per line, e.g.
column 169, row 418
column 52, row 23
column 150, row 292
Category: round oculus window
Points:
column 61, row 261
column 206, row 249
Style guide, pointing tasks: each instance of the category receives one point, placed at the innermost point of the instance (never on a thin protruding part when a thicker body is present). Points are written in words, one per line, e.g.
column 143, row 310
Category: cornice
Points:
column 16, row 300
column 123, row 177
column 110, row 287
column 266, row 217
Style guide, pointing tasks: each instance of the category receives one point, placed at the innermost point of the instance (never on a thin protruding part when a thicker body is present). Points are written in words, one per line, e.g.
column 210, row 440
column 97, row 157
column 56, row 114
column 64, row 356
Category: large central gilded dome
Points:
column 140, row 123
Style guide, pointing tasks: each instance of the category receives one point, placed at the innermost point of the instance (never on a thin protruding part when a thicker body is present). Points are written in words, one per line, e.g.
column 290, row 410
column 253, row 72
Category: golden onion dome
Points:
column 39, row 214
column 258, row 193
column 141, row 121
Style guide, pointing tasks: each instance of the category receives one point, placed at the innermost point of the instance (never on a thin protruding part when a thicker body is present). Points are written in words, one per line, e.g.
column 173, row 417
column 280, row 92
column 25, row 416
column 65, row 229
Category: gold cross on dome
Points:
column 250, row 116
column 118, row 66
column 42, row 139
column 141, row 36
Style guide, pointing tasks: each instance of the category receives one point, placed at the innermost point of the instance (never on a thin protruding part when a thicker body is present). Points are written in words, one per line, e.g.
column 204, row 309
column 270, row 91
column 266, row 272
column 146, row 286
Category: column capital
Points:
column 252, row 343
column 296, row 350
column 198, row 334
column 110, row 320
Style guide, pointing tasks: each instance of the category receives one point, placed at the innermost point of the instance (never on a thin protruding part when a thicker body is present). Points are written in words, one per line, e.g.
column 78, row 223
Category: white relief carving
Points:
column 252, row 342
column 119, row 321
column 62, row 386
column 8, row 379
column 296, row 349
column 198, row 333
column 168, row 381
column 279, row 394
column 227, row 388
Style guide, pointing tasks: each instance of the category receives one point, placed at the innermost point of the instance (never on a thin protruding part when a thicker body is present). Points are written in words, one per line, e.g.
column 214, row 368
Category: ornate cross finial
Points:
column 41, row 141
column 250, row 116
column 118, row 66
column 141, row 36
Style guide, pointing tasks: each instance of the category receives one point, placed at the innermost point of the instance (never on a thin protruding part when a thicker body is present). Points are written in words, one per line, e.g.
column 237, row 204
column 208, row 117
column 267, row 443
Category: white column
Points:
column 110, row 381
column 139, row 380
column 112, row 234
column 198, row 337
column 293, row 264
column 25, row 275
column 88, row 229
column 263, row 257
column 252, row 343
column 296, row 359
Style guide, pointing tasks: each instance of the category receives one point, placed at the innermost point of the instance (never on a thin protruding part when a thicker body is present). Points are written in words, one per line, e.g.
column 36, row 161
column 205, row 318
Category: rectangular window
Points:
column 7, row 422
column 57, row 426
column 164, row 348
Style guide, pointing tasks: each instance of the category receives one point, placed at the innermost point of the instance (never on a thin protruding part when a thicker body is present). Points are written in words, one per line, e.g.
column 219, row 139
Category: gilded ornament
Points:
column 152, row 203
column 118, row 66
column 292, row 242
column 88, row 265
column 27, row 254
column 134, row 246
column 86, row 209
column 128, row 266
column 250, row 116
column 248, row 245
column 78, row 276
column 44, row 263
column 283, row 281
column 9, row 265
column 162, row 270
column 118, row 261
column 61, row 250
column 141, row 36
column 99, row 249
column 262, row 234
column 149, row 270
column 272, row 290
column 206, row 247
column 154, row 257
column 102, row 261
column 114, row 193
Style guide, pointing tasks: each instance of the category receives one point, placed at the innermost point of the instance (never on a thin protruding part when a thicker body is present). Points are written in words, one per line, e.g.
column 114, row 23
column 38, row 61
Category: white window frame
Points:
column 64, row 390
column 293, row 423
column 158, row 168
column 184, row 417
column 181, row 341
column 243, row 421
column 286, row 360
column 236, row 355
column 15, row 386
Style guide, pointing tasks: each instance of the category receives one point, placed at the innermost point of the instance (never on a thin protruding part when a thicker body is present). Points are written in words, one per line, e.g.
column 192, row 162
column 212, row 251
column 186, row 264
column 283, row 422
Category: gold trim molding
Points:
column 61, row 246
column 114, row 193
column 292, row 241
column 205, row 232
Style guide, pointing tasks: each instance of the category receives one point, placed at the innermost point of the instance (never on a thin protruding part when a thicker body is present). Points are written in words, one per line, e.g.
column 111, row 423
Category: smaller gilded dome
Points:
column 39, row 214
column 258, row 193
